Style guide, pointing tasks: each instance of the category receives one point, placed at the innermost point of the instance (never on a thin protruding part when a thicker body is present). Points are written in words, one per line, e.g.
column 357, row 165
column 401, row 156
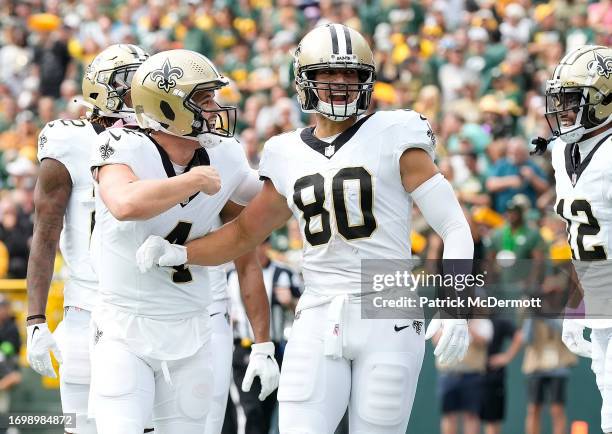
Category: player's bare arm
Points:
column 416, row 167
column 252, row 289
column 51, row 196
column 266, row 212
column 130, row 198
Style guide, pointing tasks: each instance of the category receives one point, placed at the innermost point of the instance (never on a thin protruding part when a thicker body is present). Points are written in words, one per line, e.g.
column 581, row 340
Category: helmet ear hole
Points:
column 167, row 110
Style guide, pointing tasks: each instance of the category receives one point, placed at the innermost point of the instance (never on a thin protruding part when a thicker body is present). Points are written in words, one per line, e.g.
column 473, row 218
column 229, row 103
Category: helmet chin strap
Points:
column 328, row 110
column 573, row 135
column 208, row 141
column 145, row 122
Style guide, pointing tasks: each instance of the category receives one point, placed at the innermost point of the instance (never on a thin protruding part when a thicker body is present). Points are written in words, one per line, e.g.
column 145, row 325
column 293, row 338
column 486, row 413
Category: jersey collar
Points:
column 320, row 146
column 573, row 171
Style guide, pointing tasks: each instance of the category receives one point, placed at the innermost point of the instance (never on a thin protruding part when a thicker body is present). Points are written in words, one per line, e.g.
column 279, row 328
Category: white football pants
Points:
column 128, row 390
column 602, row 367
column 376, row 375
column 72, row 336
column 222, row 344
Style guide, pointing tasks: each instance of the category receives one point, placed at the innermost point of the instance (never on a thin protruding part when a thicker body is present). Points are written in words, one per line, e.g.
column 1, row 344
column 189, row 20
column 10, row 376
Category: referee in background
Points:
column 283, row 288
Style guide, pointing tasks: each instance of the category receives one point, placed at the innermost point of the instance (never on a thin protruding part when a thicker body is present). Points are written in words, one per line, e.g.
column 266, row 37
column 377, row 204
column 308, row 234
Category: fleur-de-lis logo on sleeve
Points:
column 42, row 140
column 602, row 65
column 166, row 76
column 431, row 135
column 106, row 150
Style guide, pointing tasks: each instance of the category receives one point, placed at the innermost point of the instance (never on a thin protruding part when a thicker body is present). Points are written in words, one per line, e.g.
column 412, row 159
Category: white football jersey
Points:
column 584, row 201
column 163, row 292
column 218, row 275
column 69, row 141
column 348, row 195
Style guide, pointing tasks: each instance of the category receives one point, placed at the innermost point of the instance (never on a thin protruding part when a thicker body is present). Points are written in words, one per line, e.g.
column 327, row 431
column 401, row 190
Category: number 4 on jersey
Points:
column 179, row 235
column 316, row 207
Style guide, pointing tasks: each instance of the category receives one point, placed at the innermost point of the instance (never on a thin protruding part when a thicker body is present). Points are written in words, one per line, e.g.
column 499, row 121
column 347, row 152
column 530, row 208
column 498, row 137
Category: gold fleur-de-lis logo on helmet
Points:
column 602, row 65
column 166, row 76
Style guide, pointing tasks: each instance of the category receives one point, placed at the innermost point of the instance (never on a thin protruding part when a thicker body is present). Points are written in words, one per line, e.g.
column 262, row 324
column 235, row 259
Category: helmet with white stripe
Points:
column 334, row 47
column 108, row 79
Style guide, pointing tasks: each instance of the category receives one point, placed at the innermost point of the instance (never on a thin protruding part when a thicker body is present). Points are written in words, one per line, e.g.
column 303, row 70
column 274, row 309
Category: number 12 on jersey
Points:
column 575, row 237
column 315, row 206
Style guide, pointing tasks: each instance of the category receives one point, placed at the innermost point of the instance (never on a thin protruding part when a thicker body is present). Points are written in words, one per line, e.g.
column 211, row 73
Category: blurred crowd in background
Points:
column 475, row 68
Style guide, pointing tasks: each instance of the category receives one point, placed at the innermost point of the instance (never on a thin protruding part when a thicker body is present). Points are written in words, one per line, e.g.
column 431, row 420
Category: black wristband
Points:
column 39, row 316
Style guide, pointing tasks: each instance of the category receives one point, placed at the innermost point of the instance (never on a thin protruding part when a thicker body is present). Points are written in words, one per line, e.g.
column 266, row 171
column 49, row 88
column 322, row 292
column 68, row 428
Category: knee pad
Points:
column 301, row 365
column 193, row 399
column 75, row 398
column 193, row 386
column 83, row 426
column 302, row 418
column 387, row 385
column 115, row 370
column 73, row 342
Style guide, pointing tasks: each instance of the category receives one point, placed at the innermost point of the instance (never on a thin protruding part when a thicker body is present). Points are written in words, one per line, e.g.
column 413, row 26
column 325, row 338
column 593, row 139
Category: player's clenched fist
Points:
column 206, row 178
column 158, row 251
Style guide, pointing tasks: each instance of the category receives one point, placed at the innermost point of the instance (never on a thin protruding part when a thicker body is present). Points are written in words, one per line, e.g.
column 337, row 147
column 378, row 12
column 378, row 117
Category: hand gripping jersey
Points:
column 163, row 292
column 69, row 141
column 347, row 195
column 584, row 201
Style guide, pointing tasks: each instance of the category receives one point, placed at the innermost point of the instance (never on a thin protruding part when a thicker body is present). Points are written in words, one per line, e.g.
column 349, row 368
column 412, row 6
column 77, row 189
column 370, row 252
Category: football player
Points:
column 350, row 181
column 152, row 351
column 65, row 210
column 579, row 112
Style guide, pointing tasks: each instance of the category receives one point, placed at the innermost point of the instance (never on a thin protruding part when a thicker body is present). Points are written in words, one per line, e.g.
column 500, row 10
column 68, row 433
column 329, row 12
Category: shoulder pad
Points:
column 401, row 116
column 118, row 145
column 282, row 139
column 408, row 129
column 59, row 136
column 123, row 134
